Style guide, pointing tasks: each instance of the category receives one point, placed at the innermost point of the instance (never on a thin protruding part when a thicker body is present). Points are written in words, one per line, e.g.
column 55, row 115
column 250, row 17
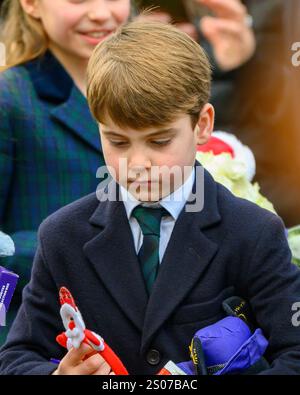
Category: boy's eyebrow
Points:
column 153, row 134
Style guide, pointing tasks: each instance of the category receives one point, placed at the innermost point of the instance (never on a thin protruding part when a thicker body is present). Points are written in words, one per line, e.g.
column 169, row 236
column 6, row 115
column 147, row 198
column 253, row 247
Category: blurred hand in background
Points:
column 228, row 30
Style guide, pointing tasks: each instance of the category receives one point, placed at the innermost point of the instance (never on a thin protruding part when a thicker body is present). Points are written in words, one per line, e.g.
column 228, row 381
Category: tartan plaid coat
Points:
column 49, row 151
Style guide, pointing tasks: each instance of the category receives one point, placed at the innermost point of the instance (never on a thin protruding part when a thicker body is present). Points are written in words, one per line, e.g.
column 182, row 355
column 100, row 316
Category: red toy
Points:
column 76, row 333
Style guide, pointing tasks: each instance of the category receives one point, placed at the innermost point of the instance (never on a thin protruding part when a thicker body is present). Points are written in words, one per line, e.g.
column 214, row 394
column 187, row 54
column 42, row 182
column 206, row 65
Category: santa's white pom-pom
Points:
column 242, row 153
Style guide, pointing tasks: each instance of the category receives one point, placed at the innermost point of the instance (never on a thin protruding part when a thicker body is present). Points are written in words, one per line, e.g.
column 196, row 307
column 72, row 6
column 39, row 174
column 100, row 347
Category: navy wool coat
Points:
column 231, row 247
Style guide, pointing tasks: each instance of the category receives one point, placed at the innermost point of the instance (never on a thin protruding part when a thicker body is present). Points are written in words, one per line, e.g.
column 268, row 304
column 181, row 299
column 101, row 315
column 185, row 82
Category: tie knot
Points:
column 149, row 219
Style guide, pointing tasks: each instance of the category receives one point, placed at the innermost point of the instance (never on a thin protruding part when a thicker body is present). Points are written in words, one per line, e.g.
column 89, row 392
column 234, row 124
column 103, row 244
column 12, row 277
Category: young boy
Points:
column 151, row 257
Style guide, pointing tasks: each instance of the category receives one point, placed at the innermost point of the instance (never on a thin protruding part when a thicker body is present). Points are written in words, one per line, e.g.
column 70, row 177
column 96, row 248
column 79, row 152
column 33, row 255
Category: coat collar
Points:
column 51, row 81
column 113, row 255
column 55, row 86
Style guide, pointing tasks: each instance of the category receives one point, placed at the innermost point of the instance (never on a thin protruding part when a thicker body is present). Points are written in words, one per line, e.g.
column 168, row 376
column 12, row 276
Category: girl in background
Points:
column 49, row 143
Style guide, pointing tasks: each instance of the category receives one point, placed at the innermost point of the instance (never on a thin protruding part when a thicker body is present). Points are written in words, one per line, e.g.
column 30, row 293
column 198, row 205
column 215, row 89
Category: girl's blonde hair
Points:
column 23, row 36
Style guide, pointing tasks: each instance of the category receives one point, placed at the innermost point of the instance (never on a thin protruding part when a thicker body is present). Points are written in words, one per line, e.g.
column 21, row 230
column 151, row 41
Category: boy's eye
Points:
column 161, row 142
column 155, row 142
column 118, row 143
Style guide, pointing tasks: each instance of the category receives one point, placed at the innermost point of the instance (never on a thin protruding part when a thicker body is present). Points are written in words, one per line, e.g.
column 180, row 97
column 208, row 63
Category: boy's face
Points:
column 153, row 162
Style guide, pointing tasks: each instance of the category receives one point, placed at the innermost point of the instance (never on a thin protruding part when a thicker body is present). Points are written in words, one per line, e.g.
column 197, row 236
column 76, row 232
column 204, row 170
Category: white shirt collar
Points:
column 173, row 203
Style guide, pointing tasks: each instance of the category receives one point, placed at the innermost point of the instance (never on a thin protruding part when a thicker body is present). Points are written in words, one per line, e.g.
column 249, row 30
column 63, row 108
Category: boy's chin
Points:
column 148, row 197
column 148, row 194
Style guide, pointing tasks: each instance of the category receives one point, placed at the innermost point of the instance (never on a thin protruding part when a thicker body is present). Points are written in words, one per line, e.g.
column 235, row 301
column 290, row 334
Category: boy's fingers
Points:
column 75, row 356
column 91, row 365
column 104, row 369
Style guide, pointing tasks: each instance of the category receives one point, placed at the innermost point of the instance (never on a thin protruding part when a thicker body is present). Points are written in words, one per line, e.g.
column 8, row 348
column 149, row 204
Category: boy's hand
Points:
column 84, row 361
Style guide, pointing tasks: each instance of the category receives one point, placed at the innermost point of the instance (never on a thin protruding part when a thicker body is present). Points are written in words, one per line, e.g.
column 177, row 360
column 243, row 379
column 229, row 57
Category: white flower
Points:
column 294, row 243
column 232, row 173
column 7, row 247
column 243, row 154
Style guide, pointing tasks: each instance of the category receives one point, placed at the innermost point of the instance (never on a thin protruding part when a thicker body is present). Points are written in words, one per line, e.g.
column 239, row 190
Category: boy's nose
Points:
column 139, row 163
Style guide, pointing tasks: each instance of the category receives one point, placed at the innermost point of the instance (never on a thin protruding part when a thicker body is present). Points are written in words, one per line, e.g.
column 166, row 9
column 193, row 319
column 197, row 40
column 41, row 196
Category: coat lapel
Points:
column 55, row 86
column 183, row 264
column 113, row 256
column 75, row 114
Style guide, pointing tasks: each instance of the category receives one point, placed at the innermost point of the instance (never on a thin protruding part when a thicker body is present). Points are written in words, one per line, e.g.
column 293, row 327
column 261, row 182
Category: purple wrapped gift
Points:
column 8, row 283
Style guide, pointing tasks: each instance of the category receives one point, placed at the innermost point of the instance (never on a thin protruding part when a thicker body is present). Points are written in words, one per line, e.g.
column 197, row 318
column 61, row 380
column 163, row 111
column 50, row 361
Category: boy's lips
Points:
column 143, row 183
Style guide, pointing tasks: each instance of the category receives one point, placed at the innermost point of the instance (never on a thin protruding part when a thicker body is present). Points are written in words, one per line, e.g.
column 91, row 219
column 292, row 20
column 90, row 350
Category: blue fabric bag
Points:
column 227, row 347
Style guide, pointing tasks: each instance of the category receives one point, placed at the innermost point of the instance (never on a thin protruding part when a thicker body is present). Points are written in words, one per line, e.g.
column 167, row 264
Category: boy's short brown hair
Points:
column 146, row 74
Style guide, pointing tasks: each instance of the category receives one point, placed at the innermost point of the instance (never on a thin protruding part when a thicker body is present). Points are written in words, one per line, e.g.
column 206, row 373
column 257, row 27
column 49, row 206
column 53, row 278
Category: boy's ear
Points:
column 205, row 124
column 31, row 8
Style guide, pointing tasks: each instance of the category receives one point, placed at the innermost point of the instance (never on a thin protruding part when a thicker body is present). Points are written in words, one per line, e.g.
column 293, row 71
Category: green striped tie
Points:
column 149, row 220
